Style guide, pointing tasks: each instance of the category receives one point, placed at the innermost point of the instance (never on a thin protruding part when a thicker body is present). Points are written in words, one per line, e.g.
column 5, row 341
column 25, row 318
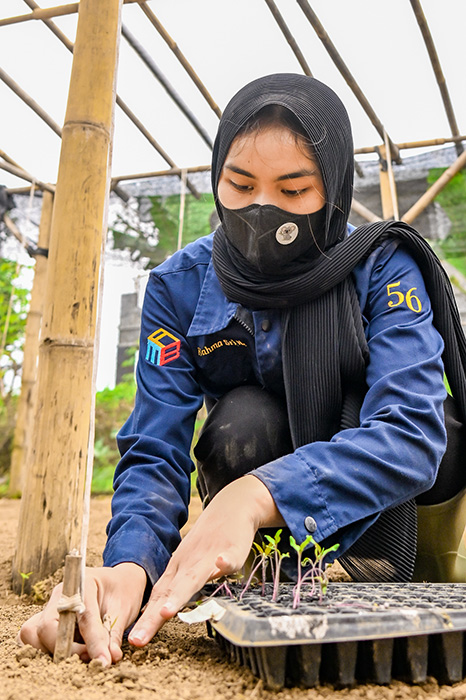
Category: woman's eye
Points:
column 241, row 188
column 294, row 193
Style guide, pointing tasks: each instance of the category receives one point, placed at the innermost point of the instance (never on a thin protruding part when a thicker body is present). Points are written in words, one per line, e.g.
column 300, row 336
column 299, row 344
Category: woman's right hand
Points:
column 112, row 593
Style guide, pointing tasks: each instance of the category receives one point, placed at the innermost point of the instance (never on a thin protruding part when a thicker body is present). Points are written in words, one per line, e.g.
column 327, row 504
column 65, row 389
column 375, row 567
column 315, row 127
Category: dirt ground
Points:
column 181, row 662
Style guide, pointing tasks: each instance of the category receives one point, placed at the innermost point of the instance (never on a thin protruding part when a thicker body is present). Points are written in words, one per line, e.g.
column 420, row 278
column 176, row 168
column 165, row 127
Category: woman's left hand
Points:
column 217, row 545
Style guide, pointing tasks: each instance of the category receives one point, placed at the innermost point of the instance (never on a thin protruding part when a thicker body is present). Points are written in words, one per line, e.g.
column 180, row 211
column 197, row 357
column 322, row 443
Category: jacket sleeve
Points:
column 395, row 452
column 152, row 479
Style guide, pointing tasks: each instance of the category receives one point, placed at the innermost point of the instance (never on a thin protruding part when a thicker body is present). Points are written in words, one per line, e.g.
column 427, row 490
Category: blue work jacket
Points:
column 197, row 343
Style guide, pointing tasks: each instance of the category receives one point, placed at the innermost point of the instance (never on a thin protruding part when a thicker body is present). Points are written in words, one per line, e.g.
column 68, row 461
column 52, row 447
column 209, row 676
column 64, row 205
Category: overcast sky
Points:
column 229, row 43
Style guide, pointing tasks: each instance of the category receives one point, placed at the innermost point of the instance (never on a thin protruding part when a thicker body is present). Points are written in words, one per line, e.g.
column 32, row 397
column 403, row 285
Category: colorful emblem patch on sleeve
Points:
column 162, row 347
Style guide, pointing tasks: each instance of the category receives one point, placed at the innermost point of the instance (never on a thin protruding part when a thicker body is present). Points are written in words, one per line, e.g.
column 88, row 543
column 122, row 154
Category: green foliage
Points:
column 165, row 213
column 112, row 408
column 453, row 200
column 14, row 301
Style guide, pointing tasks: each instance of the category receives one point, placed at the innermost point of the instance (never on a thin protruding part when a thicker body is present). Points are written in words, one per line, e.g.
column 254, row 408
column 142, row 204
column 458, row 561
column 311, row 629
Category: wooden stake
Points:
column 52, row 503
column 28, row 396
column 67, row 620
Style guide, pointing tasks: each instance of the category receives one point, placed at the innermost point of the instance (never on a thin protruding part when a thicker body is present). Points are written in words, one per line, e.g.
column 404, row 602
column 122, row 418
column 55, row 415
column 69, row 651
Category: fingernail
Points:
column 103, row 660
column 140, row 636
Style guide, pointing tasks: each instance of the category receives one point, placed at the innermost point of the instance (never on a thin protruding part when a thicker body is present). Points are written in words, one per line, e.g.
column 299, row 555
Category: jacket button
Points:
column 310, row 524
column 266, row 325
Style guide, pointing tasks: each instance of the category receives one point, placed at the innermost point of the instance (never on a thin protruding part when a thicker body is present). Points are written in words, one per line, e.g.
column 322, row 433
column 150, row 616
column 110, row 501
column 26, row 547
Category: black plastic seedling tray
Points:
column 365, row 632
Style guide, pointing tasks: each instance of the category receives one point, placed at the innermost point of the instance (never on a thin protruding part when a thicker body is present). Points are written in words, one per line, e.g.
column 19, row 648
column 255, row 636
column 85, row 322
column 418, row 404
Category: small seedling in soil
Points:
column 278, row 557
column 316, row 571
column 261, row 559
column 222, row 588
column 24, row 578
column 271, row 554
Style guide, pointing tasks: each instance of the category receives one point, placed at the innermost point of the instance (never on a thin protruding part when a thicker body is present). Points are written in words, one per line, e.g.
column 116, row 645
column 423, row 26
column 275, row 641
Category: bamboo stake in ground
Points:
column 68, row 606
column 52, row 503
column 27, row 399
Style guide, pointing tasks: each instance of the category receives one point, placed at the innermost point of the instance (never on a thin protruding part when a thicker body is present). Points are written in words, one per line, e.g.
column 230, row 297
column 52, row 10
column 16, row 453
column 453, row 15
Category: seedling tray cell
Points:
column 368, row 632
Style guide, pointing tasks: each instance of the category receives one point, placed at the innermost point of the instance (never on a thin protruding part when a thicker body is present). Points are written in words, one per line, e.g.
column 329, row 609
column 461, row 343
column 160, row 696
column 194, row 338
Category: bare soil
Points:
column 181, row 662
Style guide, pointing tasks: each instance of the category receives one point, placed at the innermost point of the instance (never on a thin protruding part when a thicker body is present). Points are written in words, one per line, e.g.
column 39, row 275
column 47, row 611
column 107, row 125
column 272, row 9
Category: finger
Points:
column 227, row 563
column 169, row 595
column 41, row 629
column 117, row 629
column 28, row 633
column 94, row 633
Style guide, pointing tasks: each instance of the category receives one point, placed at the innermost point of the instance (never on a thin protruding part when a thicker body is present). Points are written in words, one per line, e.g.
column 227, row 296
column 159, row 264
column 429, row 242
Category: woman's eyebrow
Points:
column 298, row 173
column 288, row 176
column 239, row 171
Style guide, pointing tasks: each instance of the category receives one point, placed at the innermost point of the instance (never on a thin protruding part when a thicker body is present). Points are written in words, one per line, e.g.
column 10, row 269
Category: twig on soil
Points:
column 255, row 691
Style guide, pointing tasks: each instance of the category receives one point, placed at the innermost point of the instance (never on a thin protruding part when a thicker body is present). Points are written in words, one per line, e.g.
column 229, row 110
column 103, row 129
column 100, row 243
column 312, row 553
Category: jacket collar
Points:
column 213, row 311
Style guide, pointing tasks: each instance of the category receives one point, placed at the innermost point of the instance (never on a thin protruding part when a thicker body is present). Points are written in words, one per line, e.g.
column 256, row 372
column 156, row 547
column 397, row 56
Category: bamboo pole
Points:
column 434, row 190
column 123, row 106
column 167, row 86
column 346, row 73
column 52, row 503
column 182, row 210
column 162, row 173
column 181, row 58
column 23, row 95
column 387, row 184
column 24, row 175
column 28, row 396
column 425, row 143
column 437, row 68
column 27, row 99
column 14, row 230
column 363, row 211
column 289, row 37
column 8, row 159
column 49, row 12
column 152, row 141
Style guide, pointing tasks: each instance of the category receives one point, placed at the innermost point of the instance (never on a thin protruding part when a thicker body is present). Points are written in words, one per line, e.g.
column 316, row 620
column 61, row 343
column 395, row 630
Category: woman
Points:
column 315, row 351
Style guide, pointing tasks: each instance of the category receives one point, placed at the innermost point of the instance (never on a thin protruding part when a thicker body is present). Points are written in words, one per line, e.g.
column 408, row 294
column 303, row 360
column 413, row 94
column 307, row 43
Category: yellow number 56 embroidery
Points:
column 412, row 301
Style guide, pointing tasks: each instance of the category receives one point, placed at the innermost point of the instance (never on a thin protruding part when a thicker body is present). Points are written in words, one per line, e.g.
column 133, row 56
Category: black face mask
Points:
column 270, row 238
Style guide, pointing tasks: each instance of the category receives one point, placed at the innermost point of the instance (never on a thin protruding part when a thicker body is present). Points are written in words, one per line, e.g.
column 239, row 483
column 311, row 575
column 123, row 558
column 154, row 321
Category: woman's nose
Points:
column 263, row 197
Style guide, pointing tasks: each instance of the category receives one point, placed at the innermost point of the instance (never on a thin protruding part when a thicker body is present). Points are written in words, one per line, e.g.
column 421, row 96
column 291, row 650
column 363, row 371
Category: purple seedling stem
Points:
column 278, row 557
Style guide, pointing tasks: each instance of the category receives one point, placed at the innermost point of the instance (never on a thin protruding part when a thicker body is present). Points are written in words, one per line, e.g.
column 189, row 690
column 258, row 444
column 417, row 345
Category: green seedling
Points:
column 261, row 560
column 222, row 588
column 24, row 578
column 278, row 558
column 316, row 571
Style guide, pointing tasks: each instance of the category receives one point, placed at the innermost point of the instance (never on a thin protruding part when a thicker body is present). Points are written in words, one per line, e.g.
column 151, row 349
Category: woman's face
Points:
column 271, row 167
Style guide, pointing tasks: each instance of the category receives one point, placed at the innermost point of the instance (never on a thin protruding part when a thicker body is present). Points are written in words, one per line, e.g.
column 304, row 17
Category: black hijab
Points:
column 323, row 344
column 323, row 118
column 324, row 374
